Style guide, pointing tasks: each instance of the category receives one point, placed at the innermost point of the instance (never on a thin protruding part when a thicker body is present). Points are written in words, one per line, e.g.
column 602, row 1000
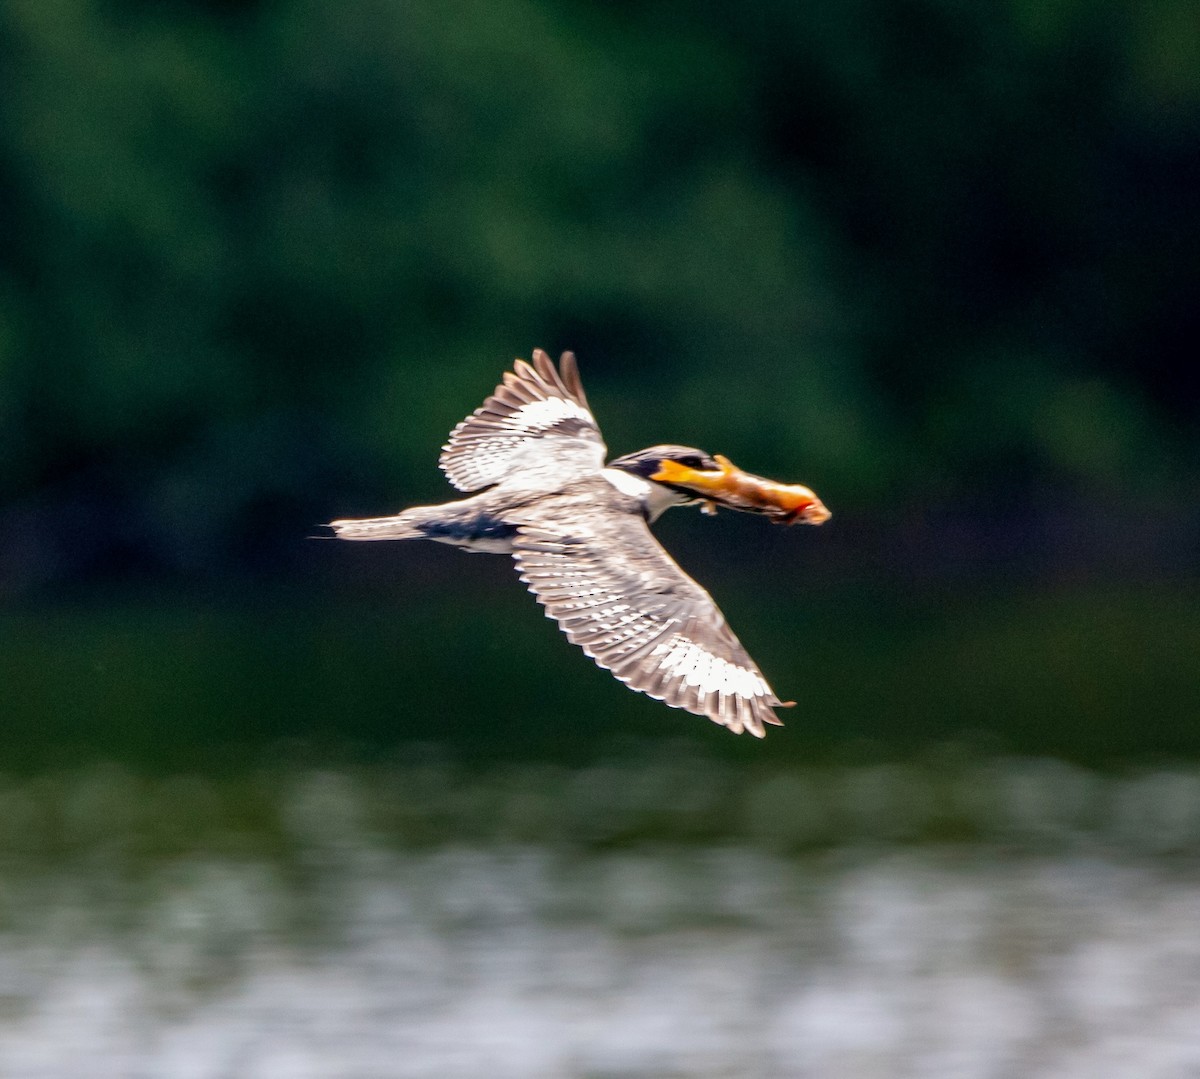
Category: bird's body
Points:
column 483, row 522
column 579, row 533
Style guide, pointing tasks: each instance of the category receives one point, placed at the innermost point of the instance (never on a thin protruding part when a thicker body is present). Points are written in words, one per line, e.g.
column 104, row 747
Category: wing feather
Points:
column 533, row 402
column 615, row 592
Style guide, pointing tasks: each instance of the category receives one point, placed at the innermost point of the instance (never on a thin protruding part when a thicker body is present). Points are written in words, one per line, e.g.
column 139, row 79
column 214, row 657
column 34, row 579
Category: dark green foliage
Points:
column 936, row 259
column 888, row 219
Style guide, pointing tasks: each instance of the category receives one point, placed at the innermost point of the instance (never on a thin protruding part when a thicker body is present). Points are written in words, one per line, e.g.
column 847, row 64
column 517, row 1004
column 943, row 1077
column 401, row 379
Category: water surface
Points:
column 316, row 940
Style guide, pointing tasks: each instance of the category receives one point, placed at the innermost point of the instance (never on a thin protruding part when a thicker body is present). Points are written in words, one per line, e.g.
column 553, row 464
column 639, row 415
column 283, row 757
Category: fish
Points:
column 780, row 503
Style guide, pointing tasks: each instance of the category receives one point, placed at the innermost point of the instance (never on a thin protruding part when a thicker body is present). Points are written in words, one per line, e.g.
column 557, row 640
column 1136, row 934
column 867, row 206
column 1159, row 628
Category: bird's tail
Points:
column 401, row 526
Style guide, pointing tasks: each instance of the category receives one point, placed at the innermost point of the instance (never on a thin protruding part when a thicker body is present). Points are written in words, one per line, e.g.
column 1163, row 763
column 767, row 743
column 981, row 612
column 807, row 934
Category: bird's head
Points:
column 649, row 463
column 681, row 474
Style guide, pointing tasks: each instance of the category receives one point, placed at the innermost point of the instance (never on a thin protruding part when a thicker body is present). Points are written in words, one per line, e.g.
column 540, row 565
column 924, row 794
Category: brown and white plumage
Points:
column 617, row 594
column 503, row 435
column 579, row 534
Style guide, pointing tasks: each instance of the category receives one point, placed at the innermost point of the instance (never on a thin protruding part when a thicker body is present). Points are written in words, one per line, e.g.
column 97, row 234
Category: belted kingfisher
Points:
column 579, row 533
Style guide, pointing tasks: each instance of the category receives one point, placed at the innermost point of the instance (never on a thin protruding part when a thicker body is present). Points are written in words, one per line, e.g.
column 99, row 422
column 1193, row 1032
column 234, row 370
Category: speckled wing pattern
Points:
column 536, row 412
column 619, row 596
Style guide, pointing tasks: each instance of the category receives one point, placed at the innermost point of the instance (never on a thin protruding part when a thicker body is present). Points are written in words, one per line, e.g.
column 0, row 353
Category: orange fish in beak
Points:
column 781, row 503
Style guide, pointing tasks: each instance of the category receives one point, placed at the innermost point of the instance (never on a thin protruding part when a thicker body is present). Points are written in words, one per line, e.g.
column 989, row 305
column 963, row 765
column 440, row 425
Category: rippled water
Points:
column 345, row 952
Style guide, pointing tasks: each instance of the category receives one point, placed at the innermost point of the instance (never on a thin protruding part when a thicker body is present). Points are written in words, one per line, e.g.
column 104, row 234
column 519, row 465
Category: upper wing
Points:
column 530, row 404
column 619, row 596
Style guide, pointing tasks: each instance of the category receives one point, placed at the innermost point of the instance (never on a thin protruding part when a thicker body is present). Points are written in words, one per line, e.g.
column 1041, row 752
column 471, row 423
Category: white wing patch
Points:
column 697, row 666
column 539, row 416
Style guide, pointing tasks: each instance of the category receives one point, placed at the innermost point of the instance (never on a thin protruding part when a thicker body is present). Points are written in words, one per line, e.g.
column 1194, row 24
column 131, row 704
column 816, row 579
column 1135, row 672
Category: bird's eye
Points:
column 692, row 462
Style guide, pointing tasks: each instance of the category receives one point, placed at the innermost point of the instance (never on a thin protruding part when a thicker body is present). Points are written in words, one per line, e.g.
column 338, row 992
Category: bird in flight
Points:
column 579, row 532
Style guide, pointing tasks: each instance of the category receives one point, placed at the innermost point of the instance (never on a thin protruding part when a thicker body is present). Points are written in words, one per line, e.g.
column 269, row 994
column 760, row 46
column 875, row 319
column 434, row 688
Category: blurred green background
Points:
column 935, row 259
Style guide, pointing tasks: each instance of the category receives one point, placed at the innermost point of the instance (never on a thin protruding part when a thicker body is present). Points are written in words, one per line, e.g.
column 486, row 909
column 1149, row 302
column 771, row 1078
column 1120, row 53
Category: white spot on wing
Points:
column 539, row 415
column 696, row 666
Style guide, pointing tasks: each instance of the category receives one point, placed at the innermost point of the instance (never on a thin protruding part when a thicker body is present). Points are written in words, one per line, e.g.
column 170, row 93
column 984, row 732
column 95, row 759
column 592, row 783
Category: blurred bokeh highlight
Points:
column 274, row 806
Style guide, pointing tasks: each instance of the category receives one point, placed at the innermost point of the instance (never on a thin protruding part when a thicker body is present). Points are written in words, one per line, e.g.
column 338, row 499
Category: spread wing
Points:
column 503, row 435
column 619, row 596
